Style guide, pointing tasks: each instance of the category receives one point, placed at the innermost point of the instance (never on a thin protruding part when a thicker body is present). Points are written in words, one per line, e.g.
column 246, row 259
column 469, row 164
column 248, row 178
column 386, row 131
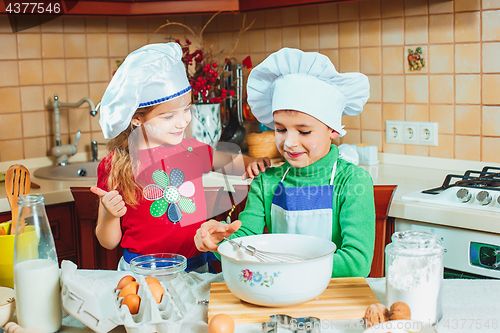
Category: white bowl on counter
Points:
column 6, row 307
column 278, row 283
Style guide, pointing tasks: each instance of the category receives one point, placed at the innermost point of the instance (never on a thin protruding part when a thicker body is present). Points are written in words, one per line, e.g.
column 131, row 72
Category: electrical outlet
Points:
column 393, row 131
column 410, row 133
column 428, row 134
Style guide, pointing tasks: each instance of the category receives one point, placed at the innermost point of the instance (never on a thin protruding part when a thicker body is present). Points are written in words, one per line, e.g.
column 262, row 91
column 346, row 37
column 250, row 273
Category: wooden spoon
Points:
column 17, row 182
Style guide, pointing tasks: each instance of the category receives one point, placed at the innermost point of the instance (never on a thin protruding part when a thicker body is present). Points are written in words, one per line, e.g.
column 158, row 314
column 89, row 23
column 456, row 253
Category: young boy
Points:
column 314, row 192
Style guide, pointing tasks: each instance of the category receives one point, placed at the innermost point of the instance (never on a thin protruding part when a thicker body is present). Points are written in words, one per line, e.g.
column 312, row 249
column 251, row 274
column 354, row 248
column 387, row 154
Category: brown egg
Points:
column 132, row 301
column 130, row 288
column 151, row 279
column 221, row 323
column 157, row 290
column 124, row 281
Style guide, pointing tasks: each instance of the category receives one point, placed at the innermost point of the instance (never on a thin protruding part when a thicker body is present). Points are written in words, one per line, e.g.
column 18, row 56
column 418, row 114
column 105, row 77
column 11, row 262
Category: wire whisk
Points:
column 264, row 256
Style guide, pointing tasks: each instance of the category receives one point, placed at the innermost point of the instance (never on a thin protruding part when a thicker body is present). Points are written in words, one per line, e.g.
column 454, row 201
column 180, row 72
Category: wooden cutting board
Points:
column 344, row 298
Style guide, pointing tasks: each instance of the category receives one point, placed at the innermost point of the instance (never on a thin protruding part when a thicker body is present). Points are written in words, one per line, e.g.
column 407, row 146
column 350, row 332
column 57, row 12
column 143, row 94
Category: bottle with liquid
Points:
column 36, row 269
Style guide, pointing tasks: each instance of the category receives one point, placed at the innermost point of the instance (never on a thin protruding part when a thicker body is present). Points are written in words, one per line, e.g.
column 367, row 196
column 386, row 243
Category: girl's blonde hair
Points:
column 121, row 173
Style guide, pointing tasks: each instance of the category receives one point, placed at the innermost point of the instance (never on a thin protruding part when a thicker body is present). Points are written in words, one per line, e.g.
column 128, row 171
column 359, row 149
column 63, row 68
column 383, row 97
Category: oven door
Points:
column 466, row 251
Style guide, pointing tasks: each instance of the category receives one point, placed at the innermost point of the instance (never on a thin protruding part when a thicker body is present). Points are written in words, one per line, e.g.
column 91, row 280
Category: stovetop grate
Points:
column 485, row 179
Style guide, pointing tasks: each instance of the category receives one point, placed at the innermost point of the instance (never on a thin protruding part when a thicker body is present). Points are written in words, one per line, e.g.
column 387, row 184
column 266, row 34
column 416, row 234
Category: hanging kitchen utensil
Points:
column 234, row 131
column 17, row 183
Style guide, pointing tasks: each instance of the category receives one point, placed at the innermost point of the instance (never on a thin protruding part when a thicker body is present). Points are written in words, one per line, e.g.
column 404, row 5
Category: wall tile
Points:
column 289, row 16
column 468, row 89
column 441, row 28
column 490, row 57
column 290, row 37
column 196, row 22
column 440, row 6
column 467, row 58
column 490, row 4
column 140, row 24
column 370, row 33
column 444, row 115
column 309, row 37
column 76, row 70
column 393, row 31
column 32, row 98
column 35, row 147
column 413, row 7
column 136, row 41
column 328, row 36
column 392, row 112
column 242, row 46
column 34, row 124
column 353, row 136
column 416, row 30
column 371, row 117
column 74, row 24
column 328, row 13
column 117, row 24
column 392, row 148
column 333, row 55
column 9, row 46
column 96, row 24
column 48, row 95
column 490, row 84
column 423, row 56
column 467, row 147
column 349, row 34
column 393, row 89
column 372, row 138
column 416, row 150
column 9, row 73
column 27, row 24
column 491, row 25
column 54, row 71
column 491, row 121
column 5, row 24
column 349, row 60
column 14, row 130
column 348, row 11
column 490, row 150
column 79, row 119
column 258, row 16
column 370, row 60
column 118, row 45
column 467, row 27
column 11, row 100
column 441, row 89
column 416, row 112
column 445, row 147
column 468, row 119
column 466, row 5
column 352, row 121
column 393, row 60
column 375, row 88
column 308, row 14
column 272, row 18
column 441, row 58
column 392, row 8
column 417, row 89
column 30, row 72
column 273, row 39
column 54, row 25
column 99, row 69
column 224, row 21
column 29, row 46
column 97, row 45
column 255, row 38
column 369, row 9
column 11, row 150
column 75, row 46
column 53, row 45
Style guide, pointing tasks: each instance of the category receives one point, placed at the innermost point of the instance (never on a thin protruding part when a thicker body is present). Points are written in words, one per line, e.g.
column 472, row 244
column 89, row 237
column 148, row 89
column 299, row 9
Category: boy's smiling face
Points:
column 301, row 138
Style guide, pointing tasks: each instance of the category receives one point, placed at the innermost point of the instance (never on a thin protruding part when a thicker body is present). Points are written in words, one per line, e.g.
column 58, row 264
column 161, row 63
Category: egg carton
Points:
column 96, row 304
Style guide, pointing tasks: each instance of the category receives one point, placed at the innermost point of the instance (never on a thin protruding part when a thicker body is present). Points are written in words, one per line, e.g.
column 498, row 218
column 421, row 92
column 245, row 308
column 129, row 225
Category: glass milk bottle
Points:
column 414, row 274
column 36, row 269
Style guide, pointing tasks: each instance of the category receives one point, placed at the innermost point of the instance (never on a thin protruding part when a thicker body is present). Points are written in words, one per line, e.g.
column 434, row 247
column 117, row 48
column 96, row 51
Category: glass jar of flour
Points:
column 414, row 274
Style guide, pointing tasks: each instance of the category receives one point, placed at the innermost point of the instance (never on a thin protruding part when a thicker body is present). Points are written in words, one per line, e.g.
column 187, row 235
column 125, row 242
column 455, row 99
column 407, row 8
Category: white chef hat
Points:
column 148, row 76
column 291, row 79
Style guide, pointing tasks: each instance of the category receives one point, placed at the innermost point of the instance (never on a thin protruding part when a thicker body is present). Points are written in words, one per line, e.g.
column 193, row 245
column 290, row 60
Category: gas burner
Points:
column 473, row 189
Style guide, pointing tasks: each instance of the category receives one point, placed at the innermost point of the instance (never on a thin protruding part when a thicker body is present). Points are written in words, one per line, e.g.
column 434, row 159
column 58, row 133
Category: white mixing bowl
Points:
column 278, row 284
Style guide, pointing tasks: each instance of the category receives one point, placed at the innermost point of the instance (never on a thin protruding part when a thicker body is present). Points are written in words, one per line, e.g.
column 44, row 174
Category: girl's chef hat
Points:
column 148, row 76
column 291, row 79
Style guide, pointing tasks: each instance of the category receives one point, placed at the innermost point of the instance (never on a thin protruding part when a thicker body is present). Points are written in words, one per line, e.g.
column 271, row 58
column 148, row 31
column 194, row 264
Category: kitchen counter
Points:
column 468, row 306
column 410, row 173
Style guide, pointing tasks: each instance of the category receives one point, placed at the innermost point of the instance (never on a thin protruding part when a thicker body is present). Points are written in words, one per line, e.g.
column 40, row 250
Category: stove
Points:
column 474, row 189
column 468, row 252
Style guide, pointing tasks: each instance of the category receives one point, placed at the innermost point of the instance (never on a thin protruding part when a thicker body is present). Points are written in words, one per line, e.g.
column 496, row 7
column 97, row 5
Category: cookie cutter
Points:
column 296, row 325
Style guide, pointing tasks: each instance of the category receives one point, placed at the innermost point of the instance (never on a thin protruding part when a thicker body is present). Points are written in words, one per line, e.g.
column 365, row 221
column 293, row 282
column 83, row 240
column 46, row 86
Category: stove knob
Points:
column 483, row 197
column 498, row 199
column 464, row 195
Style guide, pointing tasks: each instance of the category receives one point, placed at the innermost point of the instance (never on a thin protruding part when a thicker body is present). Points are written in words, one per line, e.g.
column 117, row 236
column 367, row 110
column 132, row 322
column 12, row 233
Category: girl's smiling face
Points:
column 166, row 123
column 301, row 138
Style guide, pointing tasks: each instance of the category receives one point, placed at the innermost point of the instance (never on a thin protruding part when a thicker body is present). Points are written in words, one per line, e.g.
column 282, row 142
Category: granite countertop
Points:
column 410, row 173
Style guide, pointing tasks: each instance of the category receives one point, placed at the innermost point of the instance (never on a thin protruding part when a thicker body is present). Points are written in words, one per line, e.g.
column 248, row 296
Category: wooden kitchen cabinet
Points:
column 61, row 218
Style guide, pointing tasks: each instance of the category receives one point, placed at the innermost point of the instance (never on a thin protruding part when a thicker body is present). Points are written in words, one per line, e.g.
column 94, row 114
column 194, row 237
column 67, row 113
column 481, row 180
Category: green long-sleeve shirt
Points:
column 353, row 224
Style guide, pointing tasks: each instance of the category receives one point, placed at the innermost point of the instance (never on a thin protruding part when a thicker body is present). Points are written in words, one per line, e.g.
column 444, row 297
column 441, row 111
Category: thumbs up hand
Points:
column 112, row 201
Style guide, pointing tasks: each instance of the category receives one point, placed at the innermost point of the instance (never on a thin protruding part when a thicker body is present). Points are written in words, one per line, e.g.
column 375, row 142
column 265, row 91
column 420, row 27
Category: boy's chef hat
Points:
column 148, row 76
column 291, row 79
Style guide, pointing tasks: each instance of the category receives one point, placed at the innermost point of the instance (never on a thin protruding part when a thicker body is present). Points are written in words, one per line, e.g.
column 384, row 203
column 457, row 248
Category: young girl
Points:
column 150, row 184
column 314, row 192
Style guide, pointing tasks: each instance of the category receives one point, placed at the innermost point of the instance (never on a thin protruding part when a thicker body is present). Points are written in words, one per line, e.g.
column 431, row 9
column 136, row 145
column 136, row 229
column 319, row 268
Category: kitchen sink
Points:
column 72, row 171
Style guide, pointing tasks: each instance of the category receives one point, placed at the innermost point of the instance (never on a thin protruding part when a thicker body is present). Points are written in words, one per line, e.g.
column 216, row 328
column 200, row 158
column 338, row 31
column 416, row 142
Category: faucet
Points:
column 93, row 147
column 62, row 152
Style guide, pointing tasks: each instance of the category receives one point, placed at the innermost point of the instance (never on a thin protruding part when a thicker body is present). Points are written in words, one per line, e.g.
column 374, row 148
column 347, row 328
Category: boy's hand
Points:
column 212, row 232
column 253, row 168
column 112, row 201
